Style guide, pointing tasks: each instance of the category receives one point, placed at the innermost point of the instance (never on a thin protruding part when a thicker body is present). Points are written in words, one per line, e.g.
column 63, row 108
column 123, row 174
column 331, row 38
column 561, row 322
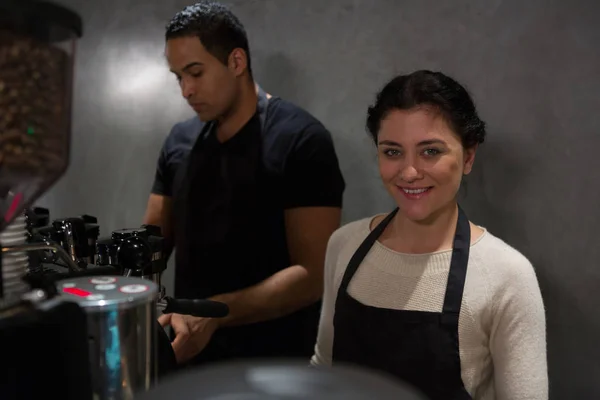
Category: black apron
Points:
column 202, row 202
column 418, row 347
column 217, row 197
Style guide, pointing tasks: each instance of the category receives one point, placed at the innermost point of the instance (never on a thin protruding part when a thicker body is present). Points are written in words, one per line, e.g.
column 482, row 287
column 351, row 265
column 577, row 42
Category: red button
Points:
column 77, row 292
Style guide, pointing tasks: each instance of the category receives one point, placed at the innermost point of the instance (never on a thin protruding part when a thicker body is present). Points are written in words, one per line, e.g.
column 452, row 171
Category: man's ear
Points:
column 238, row 61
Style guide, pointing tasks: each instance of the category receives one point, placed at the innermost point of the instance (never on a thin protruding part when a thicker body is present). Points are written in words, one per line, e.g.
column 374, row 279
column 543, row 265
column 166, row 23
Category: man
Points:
column 248, row 193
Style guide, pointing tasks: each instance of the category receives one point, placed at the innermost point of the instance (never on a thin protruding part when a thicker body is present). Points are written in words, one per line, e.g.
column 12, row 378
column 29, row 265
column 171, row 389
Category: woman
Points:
column 422, row 293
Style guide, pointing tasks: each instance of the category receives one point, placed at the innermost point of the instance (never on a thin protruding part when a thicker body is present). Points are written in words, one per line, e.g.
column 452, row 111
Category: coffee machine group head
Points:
column 76, row 235
column 134, row 252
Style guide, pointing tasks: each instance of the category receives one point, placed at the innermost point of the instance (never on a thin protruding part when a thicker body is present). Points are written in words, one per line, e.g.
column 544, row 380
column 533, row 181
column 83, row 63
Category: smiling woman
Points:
column 427, row 132
column 422, row 293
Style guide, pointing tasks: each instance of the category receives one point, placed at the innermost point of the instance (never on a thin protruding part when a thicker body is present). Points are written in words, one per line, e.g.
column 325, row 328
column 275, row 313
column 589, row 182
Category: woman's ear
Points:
column 469, row 159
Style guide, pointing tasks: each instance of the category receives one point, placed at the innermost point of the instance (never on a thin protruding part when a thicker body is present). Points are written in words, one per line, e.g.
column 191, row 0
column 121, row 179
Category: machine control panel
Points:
column 104, row 291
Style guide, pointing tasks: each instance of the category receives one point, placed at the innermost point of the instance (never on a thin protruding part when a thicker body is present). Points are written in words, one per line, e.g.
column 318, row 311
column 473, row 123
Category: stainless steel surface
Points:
column 122, row 329
column 161, row 305
column 154, row 278
column 62, row 254
column 15, row 264
column 92, row 259
column 35, row 296
column 69, row 240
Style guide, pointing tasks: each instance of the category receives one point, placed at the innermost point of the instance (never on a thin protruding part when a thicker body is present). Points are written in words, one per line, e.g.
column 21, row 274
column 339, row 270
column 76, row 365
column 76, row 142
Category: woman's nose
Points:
column 409, row 174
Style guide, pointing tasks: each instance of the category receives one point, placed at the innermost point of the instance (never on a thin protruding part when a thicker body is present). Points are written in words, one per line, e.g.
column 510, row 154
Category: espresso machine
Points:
column 121, row 295
column 76, row 236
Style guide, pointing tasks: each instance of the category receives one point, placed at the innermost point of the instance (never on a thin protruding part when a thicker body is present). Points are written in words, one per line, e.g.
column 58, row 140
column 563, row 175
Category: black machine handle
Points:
column 196, row 308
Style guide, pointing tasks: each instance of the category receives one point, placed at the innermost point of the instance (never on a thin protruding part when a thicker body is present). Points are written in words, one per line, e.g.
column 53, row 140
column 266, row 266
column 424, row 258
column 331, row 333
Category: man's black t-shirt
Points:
column 245, row 240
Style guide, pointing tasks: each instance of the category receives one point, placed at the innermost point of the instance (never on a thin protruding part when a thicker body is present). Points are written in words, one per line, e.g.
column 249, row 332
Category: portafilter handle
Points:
column 195, row 308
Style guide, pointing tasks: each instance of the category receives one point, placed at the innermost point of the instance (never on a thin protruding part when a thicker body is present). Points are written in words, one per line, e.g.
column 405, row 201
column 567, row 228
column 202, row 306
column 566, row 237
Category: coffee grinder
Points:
column 45, row 327
column 43, row 340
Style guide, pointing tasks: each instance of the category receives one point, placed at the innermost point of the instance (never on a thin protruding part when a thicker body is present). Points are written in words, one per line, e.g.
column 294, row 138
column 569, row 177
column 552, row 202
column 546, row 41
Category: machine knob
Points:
column 134, row 253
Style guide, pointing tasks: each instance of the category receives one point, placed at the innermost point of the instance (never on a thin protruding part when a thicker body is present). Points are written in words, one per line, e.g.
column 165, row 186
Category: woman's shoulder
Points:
column 357, row 227
column 350, row 232
column 500, row 258
column 506, row 282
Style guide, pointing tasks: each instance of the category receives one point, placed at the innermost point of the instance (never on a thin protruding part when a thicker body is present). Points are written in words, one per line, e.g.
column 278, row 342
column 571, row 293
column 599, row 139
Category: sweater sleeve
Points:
column 518, row 337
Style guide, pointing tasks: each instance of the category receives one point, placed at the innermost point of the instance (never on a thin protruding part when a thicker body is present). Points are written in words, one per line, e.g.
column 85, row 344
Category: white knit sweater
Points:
column 502, row 326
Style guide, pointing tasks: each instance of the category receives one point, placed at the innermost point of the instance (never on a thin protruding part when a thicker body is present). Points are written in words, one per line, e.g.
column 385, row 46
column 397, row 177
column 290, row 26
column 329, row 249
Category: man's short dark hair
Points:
column 219, row 30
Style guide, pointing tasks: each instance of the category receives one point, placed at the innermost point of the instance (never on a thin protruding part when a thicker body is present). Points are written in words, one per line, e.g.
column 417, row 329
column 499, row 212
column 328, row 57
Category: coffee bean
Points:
column 33, row 120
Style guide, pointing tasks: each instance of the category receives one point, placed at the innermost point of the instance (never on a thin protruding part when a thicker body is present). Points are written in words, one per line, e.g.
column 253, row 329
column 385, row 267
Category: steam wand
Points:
column 46, row 246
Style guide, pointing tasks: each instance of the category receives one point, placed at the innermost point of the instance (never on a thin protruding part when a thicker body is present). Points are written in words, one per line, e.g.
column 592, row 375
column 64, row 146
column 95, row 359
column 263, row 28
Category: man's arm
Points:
column 308, row 230
column 159, row 212
column 313, row 192
column 159, row 207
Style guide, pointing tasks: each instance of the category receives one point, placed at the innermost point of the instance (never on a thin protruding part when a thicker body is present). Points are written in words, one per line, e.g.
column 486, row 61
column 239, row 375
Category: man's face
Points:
column 207, row 84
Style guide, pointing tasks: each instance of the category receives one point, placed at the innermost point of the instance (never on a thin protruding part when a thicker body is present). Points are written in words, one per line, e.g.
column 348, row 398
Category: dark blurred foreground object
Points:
column 270, row 380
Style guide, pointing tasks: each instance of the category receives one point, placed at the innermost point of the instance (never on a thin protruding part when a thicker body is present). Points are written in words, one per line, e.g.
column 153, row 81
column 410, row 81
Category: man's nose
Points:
column 187, row 88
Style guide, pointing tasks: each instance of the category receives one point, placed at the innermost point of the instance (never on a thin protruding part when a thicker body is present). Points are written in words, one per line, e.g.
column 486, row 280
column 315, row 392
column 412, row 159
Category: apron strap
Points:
column 363, row 250
column 458, row 265
column 262, row 108
column 458, row 269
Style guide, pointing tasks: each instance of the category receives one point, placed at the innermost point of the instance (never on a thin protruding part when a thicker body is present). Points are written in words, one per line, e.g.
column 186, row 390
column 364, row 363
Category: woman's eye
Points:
column 391, row 152
column 432, row 152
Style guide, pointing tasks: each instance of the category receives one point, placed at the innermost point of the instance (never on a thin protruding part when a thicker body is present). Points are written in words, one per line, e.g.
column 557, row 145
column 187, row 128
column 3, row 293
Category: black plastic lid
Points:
column 279, row 380
column 122, row 234
column 40, row 19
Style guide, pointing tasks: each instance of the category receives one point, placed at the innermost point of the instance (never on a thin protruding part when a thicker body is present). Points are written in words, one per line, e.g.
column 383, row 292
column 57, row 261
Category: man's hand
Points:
column 308, row 230
column 192, row 334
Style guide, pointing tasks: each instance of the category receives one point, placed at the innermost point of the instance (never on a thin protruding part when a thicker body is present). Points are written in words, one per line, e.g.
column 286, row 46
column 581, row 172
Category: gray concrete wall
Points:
column 533, row 67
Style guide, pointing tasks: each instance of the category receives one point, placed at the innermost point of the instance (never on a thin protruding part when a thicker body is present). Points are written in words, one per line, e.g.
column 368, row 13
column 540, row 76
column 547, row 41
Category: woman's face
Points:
column 421, row 162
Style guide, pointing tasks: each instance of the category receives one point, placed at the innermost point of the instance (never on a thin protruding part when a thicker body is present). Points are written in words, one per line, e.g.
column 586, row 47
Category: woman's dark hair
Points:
column 434, row 89
column 219, row 30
